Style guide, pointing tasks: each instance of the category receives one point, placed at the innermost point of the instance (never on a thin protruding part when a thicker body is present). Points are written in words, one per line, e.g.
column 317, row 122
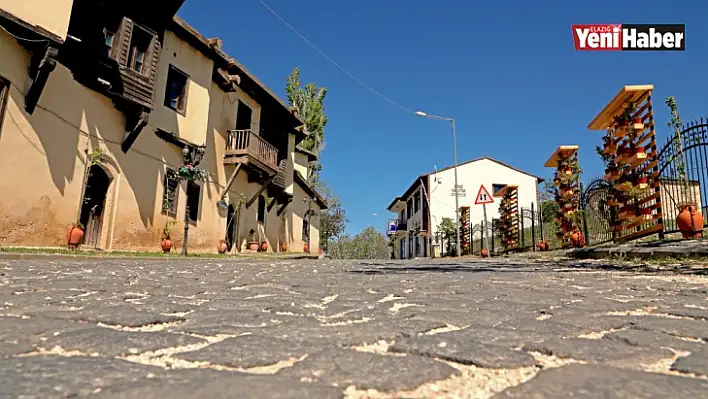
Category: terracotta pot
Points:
column 306, row 247
column 283, row 247
column 639, row 150
column 484, row 252
column 253, row 246
column 543, row 246
column 166, row 244
column 636, row 121
column 74, row 236
column 264, row 246
column 577, row 239
column 222, row 247
column 642, row 180
column 690, row 221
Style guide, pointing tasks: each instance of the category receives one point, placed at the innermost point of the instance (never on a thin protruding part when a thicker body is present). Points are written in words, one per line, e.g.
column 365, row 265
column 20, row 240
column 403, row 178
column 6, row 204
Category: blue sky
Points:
column 506, row 70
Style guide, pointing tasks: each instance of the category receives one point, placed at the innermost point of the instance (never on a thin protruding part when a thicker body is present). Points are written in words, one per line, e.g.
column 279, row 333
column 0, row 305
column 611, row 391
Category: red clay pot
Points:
column 166, row 244
column 222, row 247
column 577, row 239
column 264, row 246
column 306, row 247
column 253, row 246
column 74, row 236
column 484, row 252
column 542, row 246
column 283, row 247
column 690, row 222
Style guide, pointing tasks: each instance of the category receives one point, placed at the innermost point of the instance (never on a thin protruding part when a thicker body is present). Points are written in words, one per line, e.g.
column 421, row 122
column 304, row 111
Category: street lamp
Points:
column 457, row 189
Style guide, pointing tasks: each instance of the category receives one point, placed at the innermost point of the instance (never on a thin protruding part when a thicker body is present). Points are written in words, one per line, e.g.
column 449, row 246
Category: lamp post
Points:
column 457, row 189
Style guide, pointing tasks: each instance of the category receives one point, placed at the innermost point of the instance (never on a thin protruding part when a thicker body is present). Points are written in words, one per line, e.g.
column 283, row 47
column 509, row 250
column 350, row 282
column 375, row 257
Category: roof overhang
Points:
column 628, row 94
column 396, row 205
column 562, row 152
column 309, row 190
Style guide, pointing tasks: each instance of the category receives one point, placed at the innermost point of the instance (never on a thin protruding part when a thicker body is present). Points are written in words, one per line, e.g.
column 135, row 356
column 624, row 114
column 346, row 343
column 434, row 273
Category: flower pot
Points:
column 283, row 247
column 253, row 246
column 637, row 124
column 542, row 246
column 74, row 236
column 484, row 253
column 166, row 244
column 222, row 247
column 690, row 221
column 264, row 246
column 639, row 150
column 642, row 180
column 577, row 239
column 306, row 247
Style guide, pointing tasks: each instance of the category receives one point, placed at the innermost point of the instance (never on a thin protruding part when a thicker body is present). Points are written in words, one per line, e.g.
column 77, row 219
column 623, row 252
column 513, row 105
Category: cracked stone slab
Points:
column 593, row 381
column 463, row 352
column 503, row 337
column 11, row 349
column 653, row 339
column 598, row 351
column 58, row 376
column 369, row 371
column 115, row 315
column 108, row 342
column 191, row 384
column 678, row 327
column 695, row 363
column 34, row 329
column 248, row 351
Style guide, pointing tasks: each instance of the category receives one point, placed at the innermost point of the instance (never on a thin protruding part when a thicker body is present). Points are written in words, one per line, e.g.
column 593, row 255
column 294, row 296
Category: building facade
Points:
column 431, row 197
column 101, row 102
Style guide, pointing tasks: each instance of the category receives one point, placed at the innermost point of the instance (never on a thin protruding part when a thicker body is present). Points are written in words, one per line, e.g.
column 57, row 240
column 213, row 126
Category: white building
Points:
column 430, row 198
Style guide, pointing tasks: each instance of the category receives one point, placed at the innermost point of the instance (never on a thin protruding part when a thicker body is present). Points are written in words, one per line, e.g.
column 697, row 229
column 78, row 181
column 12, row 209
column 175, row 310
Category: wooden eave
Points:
column 310, row 190
column 311, row 156
column 628, row 94
column 563, row 151
column 505, row 190
column 28, row 31
column 230, row 66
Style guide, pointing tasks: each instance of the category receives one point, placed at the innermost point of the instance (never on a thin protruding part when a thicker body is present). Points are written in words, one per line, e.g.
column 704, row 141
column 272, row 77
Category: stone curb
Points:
column 641, row 253
column 47, row 257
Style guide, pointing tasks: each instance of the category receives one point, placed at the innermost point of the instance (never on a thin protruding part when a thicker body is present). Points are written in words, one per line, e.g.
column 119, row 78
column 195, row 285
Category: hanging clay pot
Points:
column 74, row 236
column 166, row 244
column 637, row 124
column 690, row 221
column 222, row 247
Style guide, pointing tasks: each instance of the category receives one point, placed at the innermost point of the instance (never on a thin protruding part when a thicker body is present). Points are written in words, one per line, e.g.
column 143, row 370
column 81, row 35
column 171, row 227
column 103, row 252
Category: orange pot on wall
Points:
column 74, row 236
column 166, row 244
column 222, row 247
column 690, row 221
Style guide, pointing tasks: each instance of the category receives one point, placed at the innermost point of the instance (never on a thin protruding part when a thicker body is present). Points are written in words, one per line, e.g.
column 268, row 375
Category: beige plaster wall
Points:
column 52, row 16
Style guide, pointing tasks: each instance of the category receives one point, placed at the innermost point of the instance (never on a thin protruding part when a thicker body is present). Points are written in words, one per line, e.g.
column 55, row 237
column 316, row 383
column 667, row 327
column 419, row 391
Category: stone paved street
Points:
column 111, row 328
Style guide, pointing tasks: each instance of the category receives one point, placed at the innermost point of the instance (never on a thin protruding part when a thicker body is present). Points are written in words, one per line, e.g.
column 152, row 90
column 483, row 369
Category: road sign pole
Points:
column 485, row 232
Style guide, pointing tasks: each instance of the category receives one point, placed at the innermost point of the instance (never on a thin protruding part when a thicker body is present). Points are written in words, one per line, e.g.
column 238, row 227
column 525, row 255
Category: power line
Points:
column 328, row 58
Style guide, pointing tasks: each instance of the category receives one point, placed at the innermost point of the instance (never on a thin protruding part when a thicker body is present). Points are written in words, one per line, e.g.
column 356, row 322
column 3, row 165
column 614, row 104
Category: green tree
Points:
column 549, row 206
column 368, row 244
column 308, row 102
column 447, row 232
column 333, row 220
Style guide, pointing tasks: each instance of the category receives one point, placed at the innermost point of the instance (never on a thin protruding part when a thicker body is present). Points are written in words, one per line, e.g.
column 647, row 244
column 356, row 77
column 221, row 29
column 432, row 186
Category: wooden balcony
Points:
column 244, row 146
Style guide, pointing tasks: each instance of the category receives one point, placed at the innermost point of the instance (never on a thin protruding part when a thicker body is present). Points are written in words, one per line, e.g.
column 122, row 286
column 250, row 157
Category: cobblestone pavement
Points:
column 333, row 329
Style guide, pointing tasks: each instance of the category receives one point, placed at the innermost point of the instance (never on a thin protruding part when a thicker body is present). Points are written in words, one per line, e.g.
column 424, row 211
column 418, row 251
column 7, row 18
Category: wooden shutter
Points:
column 121, row 46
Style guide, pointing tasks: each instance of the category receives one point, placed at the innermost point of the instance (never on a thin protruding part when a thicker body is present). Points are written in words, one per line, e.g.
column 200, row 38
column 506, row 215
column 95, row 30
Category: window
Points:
column 402, row 216
column 176, row 90
column 496, row 188
column 169, row 194
column 261, row 209
column 139, row 49
column 194, row 192
column 409, row 208
column 244, row 114
column 305, row 230
column 109, row 40
column 4, row 94
column 416, row 202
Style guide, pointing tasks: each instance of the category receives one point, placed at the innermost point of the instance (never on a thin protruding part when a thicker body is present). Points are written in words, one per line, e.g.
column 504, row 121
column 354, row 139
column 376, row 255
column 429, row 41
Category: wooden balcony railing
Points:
column 245, row 142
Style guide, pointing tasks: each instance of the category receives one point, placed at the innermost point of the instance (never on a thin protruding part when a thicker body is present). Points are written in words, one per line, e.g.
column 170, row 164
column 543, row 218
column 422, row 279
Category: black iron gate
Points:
column 596, row 214
column 683, row 178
